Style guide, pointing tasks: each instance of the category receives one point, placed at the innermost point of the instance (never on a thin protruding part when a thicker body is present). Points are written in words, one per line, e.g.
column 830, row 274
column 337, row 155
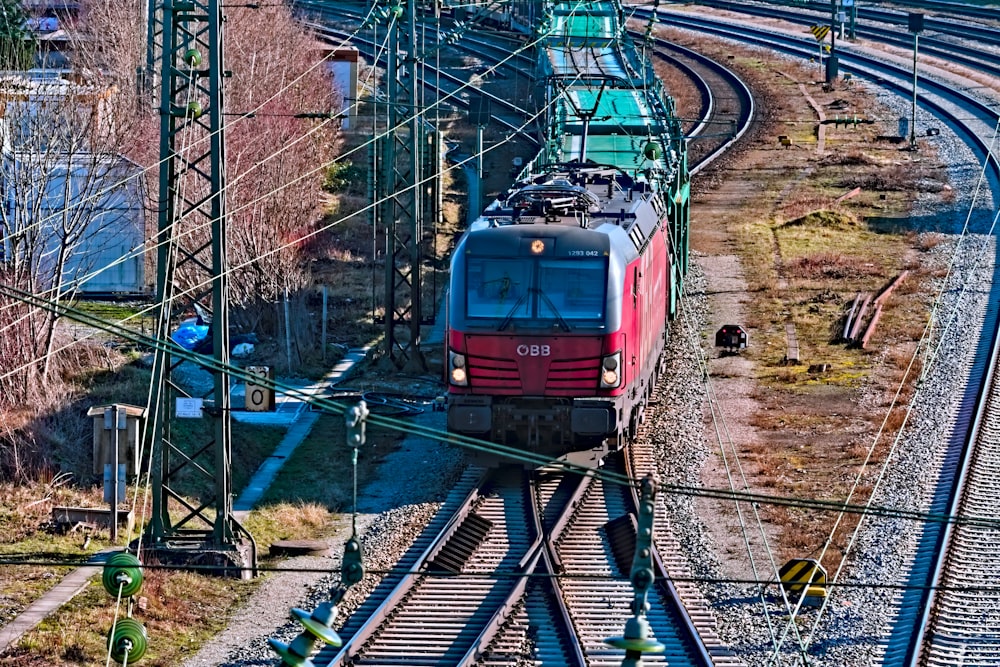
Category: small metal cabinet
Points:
column 128, row 438
column 732, row 337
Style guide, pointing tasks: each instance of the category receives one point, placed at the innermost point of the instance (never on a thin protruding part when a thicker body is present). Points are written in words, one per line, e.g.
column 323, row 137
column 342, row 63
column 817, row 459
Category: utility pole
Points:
column 154, row 45
column 916, row 25
column 831, row 62
column 400, row 193
column 192, row 274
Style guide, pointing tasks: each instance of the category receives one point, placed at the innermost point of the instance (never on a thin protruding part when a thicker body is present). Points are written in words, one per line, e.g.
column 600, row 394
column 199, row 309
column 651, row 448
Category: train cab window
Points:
column 498, row 288
column 574, row 289
column 568, row 291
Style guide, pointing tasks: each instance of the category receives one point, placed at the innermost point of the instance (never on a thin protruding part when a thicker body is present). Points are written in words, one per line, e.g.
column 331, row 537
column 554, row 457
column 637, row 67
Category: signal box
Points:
column 732, row 337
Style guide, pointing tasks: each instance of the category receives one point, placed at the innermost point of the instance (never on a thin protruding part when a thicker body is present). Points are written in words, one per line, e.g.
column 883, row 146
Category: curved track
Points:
column 943, row 37
column 945, row 614
column 973, row 119
column 727, row 106
column 511, row 572
column 960, row 617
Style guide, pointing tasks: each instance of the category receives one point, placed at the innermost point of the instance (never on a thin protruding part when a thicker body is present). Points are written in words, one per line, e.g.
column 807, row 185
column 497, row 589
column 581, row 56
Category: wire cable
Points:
column 343, row 156
column 307, row 235
column 924, row 343
column 5, row 237
column 498, row 449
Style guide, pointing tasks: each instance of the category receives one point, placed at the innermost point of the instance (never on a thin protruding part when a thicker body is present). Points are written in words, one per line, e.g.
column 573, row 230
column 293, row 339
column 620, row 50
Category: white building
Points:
column 62, row 197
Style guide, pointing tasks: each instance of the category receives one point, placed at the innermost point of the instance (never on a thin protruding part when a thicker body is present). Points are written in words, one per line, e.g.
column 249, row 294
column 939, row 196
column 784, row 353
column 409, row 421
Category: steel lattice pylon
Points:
column 192, row 275
column 154, row 45
column 399, row 192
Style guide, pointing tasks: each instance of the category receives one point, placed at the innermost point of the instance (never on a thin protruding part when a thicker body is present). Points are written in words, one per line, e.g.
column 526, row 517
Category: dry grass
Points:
column 804, row 256
column 181, row 610
column 829, row 266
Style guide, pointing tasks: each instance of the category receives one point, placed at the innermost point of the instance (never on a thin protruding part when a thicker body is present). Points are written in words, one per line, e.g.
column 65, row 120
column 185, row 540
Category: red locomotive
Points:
column 557, row 314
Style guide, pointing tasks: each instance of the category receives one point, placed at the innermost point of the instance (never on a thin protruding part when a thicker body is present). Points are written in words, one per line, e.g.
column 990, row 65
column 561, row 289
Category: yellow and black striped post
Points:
column 804, row 577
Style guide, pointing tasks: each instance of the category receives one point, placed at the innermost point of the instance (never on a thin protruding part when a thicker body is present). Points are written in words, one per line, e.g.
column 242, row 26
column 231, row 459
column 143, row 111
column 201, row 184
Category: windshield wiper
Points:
column 510, row 315
column 555, row 311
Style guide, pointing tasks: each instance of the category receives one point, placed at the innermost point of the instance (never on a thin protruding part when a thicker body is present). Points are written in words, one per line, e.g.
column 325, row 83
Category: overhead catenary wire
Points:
column 164, row 310
column 723, row 440
column 321, row 167
column 261, row 105
column 319, row 229
column 513, row 453
column 505, row 573
column 924, row 343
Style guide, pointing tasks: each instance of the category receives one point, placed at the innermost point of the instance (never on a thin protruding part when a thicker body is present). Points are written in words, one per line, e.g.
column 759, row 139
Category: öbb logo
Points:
column 534, row 350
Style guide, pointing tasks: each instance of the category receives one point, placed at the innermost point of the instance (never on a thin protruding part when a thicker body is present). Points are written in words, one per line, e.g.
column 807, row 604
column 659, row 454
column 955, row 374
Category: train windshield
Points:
column 568, row 291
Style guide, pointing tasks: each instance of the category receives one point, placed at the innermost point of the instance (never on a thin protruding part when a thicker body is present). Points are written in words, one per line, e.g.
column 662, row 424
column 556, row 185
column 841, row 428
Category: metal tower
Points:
column 400, row 188
column 154, row 45
column 192, row 278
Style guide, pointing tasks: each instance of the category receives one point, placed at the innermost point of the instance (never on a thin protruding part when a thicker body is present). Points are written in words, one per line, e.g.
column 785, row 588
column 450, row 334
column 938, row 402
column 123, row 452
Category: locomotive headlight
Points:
column 456, row 369
column 610, row 377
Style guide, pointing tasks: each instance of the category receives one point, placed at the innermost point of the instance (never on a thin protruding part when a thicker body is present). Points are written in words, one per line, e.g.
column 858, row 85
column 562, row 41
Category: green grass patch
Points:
column 251, row 444
column 320, row 471
column 180, row 612
column 137, row 316
column 127, row 384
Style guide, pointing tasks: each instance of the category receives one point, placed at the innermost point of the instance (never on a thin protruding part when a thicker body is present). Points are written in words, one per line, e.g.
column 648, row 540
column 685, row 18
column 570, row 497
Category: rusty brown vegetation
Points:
column 807, row 245
column 804, row 256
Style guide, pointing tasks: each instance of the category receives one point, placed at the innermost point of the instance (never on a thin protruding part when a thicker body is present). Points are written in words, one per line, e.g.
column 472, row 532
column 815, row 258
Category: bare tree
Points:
column 75, row 146
column 71, row 202
column 69, row 195
column 271, row 204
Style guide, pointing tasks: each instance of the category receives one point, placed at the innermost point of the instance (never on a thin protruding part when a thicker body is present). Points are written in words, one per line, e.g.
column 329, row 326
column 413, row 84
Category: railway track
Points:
column 521, row 572
column 727, row 108
column 973, row 118
column 944, row 615
column 533, row 566
column 959, row 617
column 959, row 42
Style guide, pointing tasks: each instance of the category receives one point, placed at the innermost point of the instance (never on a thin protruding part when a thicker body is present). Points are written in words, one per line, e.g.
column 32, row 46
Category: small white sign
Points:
column 189, row 408
column 847, row 3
